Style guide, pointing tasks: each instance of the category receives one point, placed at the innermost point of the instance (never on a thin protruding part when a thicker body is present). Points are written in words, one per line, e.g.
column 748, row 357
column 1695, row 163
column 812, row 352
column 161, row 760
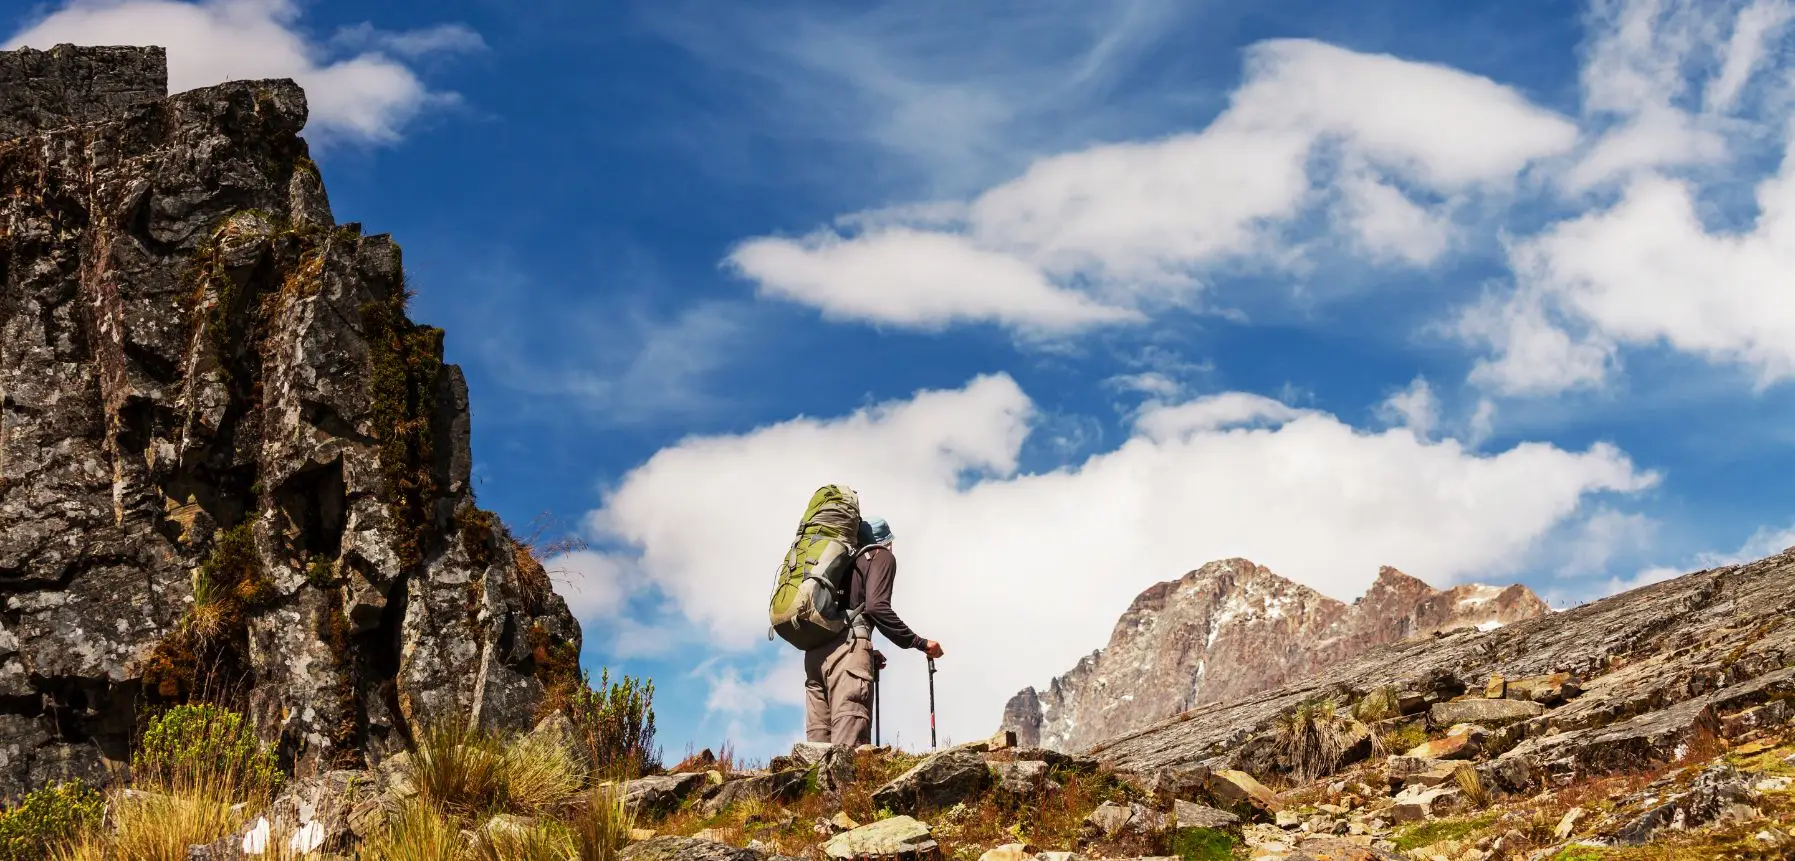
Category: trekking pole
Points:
column 931, row 704
column 875, row 703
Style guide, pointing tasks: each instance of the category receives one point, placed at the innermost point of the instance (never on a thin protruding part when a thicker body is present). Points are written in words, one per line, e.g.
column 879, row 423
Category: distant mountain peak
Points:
column 1232, row 628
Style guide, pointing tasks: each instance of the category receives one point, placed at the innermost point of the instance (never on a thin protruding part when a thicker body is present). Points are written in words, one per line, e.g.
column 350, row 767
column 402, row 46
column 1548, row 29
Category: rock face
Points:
column 1232, row 629
column 229, row 464
column 1660, row 670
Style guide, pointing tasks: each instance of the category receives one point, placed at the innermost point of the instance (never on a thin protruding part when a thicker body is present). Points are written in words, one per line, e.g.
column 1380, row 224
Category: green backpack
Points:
column 809, row 604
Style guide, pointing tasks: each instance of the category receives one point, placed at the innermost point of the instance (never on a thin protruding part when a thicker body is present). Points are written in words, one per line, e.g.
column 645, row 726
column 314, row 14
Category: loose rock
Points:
column 900, row 837
column 942, row 780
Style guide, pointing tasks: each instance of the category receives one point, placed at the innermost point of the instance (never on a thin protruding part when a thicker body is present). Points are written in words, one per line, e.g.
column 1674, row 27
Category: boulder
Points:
column 1056, row 759
column 1771, row 714
column 1186, row 814
column 685, row 849
column 1436, row 773
column 1483, row 712
column 660, row 794
column 1548, row 690
column 1009, row 852
column 1418, row 803
column 834, row 763
column 899, row 837
column 1237, row 790
column 1461, row 746
column 1170, row 784
column 942, row 780
column 1024, row 779
column 1112, row 821
column 1721, row 793
column 779, row 786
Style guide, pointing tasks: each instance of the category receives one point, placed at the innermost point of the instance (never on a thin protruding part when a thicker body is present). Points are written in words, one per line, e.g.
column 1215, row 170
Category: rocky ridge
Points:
column 1231, row 629
column 230, row 466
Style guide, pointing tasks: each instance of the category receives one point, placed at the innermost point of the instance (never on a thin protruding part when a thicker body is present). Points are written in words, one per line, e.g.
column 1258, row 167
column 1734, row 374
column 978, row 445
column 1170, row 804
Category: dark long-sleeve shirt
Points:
column 875, row 571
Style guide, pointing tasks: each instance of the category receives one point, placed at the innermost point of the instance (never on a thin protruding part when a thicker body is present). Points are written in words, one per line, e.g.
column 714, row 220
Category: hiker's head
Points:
column 874, row 530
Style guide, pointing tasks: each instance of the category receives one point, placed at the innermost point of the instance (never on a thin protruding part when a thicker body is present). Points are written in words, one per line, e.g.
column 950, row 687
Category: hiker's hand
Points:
column 878, row 660
column 932, row 648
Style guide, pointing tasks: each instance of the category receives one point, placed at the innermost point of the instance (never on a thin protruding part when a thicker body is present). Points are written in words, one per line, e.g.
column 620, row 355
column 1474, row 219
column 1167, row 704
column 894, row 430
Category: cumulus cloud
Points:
column 1081, row 238
column 1678, row 94
column 991, row 557
column 355, row 89
column 1415, row 408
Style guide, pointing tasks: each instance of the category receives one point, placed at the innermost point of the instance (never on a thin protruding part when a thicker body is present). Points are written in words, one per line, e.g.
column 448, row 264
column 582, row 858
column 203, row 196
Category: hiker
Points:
column 838, row 675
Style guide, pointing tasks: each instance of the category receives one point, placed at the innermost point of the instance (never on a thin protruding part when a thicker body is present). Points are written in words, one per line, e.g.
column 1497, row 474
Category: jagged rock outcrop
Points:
column 229, row 464
column 1231, row 629
column 1658, row 669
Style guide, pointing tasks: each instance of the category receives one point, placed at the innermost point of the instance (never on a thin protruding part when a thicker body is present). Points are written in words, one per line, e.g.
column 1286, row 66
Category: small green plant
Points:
column 1429, row 833
column 1578, row 853
column 1309, row 737
column 48, row 819
column 1404, row 738
column 321, row 573
column 616, row 722
column 197, row 744
column 1380, row 704
column 1203, row 844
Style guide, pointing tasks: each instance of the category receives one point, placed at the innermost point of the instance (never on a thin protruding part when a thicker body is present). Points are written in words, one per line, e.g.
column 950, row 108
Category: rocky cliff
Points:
column 1231, row 629
column 230, row 466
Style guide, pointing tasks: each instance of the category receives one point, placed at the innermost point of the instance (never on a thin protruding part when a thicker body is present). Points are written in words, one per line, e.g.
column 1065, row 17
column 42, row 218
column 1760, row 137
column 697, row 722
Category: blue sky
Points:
column 1080, row 296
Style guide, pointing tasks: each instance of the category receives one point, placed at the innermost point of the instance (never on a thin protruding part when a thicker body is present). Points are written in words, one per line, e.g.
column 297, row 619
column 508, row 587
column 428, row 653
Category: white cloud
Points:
column 1604, row 534
column 1415, row 408
column 1686, row 90
column 594, row 584
column 1081, row 235
column 990, row 557
column 913, row 278
column 365, row 96
column 1765, row 541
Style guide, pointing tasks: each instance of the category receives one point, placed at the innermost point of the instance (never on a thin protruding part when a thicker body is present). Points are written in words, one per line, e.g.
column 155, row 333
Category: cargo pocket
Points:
column 856, row 674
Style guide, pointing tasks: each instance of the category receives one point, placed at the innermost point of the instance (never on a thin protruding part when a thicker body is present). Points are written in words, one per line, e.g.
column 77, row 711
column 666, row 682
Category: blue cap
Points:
column 874, row 530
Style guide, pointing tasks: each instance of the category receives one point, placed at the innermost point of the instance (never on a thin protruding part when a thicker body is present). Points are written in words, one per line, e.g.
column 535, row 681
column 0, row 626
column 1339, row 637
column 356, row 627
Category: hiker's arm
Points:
column 881, row 571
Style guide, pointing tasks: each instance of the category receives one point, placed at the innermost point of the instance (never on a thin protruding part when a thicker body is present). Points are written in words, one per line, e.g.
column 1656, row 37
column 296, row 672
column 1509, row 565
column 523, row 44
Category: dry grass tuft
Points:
column 420, row 832
column 1471, row 786
column 1309, row 738
column 158, row 826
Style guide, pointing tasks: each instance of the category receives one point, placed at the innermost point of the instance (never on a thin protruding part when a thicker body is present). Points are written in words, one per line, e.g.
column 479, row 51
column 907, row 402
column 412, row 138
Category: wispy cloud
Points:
column 941, row 97
column 356, row 89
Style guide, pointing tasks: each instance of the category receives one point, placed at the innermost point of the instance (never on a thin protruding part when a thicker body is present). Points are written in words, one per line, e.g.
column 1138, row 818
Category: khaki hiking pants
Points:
column 838, row 691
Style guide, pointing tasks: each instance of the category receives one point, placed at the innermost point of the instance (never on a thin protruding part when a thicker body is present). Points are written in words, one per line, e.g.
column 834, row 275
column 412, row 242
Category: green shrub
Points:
column 190, row 745
column 1203, row 844
column 48, row 818
column 616, row 722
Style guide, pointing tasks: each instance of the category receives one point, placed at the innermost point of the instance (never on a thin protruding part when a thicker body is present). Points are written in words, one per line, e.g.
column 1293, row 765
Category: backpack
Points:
column 810, row 595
